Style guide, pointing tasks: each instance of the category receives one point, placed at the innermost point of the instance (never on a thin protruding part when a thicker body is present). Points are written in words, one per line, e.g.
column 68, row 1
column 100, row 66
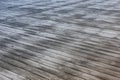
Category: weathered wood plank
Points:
column 59, row 40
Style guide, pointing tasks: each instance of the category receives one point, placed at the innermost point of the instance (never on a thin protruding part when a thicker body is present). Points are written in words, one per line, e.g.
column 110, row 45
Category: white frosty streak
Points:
column 10, row 31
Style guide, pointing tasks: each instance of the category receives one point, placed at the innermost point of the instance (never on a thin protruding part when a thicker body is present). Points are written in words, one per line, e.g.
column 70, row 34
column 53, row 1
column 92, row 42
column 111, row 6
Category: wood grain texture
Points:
column 59, row 40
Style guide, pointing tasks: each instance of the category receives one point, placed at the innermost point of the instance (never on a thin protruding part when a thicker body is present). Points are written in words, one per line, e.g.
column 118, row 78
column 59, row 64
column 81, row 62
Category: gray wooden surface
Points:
column 59, row 39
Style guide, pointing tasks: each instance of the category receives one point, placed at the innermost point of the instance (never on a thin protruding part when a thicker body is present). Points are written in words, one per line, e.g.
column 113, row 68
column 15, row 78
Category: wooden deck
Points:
column 59, row 40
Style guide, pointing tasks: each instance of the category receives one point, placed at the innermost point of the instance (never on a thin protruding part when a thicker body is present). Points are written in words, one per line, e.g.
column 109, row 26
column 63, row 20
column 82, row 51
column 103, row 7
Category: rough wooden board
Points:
column 59, row 40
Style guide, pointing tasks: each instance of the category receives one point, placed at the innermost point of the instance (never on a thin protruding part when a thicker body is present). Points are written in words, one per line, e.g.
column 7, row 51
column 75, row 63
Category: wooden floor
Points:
column 59, row 39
